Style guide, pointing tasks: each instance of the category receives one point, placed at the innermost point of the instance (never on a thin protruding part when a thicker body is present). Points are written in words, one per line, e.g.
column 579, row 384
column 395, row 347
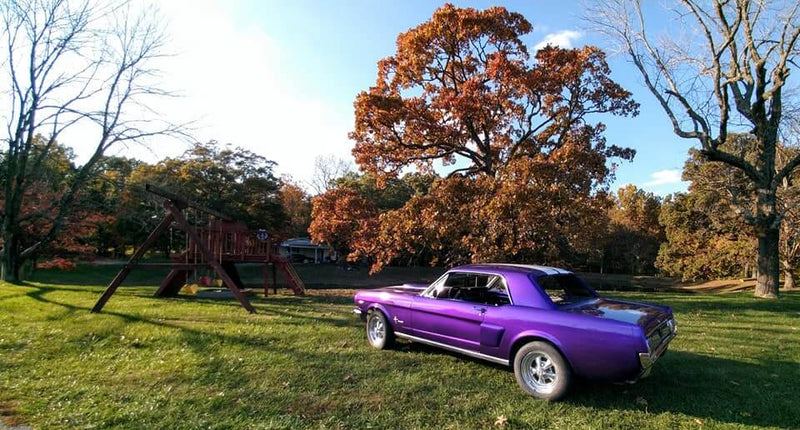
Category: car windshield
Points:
column 564, row 289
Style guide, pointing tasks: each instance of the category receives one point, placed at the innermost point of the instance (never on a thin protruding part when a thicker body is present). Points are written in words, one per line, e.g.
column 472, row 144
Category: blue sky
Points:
column 280, row 77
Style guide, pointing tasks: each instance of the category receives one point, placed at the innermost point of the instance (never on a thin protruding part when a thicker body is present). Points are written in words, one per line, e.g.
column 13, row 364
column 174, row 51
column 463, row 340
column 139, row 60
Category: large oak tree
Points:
column 526, row 161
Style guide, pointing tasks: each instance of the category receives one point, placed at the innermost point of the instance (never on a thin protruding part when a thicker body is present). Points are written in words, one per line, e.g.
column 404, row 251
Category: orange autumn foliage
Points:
column 462, row 86
column 339, row 217
column 531, row 167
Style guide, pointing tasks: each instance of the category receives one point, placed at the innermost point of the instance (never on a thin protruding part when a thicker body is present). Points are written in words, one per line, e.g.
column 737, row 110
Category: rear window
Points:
column 564, row 289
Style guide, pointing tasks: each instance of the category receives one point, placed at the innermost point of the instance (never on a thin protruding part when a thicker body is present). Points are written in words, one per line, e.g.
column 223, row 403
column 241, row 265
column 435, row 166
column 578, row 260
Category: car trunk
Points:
column 646, row 316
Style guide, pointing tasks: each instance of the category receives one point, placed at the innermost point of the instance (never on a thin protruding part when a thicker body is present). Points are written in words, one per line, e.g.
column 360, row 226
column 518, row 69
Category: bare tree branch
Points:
column 72, row 62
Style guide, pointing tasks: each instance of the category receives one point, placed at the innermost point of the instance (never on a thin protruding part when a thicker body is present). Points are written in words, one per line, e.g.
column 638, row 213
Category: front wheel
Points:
column 379, row 332
column 541, row 371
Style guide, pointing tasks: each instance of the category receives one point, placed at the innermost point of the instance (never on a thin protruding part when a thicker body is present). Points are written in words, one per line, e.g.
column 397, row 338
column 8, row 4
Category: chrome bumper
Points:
column 648, row 359
column 360, row 313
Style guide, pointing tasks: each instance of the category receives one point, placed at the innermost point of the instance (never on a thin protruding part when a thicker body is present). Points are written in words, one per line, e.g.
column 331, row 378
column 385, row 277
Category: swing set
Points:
column 214, row 243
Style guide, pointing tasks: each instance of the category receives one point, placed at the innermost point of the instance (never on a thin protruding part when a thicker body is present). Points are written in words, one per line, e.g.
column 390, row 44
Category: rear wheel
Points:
column 379, row 332
column 542, row 371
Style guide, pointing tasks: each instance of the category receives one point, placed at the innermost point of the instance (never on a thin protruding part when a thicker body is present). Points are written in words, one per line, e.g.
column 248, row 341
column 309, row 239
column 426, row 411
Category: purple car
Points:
column 545, row 321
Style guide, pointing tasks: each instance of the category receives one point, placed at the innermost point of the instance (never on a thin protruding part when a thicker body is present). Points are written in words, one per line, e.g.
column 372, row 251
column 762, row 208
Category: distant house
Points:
column 302, row 249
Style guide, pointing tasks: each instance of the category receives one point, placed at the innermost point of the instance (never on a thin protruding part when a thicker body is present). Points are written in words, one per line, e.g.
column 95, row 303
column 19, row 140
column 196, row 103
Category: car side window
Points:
column 471, row 287
column 498, row 292
column 448, row 286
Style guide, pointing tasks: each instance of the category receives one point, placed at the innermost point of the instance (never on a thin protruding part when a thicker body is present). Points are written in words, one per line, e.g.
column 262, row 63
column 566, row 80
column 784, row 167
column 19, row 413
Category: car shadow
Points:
column 705, row 387
column 697, row 385
column 416, row 347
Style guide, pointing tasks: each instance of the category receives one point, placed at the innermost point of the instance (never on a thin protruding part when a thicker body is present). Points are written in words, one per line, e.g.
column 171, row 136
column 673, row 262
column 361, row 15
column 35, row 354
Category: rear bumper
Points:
column 648, row 359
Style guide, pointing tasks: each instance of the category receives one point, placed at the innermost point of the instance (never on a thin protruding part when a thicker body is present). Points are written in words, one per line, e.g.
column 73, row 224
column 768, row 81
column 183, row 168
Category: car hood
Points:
column 406, row 289
column 645, row 315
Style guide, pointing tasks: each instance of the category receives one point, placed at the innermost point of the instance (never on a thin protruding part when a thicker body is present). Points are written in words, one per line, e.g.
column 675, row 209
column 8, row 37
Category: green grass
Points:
column 314, row 275
column 302, row 362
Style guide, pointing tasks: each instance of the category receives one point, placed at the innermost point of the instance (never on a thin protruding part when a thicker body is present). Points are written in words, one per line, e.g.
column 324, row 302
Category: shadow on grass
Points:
column 263, row 307
column 701, row 386
column 759, row 392
column 724, row 303
column 86, row 274
column 706, row 387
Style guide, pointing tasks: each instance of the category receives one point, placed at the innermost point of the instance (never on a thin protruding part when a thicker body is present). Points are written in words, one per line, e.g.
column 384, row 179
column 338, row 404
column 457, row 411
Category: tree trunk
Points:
column 768, row 264
column 11, row 262
column 788, row 279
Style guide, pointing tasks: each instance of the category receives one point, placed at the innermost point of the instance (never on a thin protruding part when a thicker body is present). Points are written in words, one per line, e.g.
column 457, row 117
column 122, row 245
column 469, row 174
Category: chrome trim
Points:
column 426, row 291
column 358, row 311
column 648, row 359
column 547, row 270
column 645, row 361
column 662, row 341
column 453, row 348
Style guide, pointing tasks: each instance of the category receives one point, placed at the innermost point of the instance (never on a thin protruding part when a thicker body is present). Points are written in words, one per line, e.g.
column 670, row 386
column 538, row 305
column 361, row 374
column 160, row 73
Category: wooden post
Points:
column 115, row 283
column 201, row 247
column 172, row 283
column 274, row 279
column 266, row 279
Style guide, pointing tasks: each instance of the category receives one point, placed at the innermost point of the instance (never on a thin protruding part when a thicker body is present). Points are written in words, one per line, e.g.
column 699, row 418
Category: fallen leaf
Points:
column 698, row 421
column 734, row 383
column 641, row 401
column 501, row 421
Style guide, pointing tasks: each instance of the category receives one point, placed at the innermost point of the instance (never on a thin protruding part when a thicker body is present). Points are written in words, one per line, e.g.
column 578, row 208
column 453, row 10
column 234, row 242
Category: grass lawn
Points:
column 303, row 362
column 313, row 275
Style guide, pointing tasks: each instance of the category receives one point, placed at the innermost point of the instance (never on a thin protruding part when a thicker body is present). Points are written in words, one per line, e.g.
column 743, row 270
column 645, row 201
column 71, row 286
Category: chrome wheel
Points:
column 376, row 330
column 539, row 372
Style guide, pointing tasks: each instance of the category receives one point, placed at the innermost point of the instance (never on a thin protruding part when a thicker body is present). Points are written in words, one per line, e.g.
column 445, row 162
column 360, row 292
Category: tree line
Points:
column 524, row 133
column 694, row 235
column 112, row 212
column 518, row 133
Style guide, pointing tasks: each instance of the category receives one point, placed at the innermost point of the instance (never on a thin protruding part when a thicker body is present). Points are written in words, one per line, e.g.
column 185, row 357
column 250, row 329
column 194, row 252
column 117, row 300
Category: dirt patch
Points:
column 337, row 292
column 9, row 420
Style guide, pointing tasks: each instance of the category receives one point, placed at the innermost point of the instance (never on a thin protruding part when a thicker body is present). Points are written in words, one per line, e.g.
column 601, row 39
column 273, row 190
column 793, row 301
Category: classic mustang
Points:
column 545, row 321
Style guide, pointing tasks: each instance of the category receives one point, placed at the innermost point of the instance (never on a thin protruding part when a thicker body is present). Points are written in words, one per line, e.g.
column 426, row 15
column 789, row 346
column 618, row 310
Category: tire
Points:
column 379, row 332
column 553, row 377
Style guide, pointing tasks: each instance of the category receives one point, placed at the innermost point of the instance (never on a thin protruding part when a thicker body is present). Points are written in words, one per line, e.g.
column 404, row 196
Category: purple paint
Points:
column 489, row 311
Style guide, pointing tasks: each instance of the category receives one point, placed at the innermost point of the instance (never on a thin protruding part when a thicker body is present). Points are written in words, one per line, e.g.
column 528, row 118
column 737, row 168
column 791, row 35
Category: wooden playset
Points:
column 213, row 242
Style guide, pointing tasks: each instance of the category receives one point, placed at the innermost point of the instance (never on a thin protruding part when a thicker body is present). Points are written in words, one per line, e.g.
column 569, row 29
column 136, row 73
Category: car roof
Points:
column 500, row 268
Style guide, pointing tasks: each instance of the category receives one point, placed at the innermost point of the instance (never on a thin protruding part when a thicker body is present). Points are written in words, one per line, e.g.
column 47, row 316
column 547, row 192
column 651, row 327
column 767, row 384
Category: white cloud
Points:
column 562, row 39
column 234, row 88
column 234, row 83
column 664, row 177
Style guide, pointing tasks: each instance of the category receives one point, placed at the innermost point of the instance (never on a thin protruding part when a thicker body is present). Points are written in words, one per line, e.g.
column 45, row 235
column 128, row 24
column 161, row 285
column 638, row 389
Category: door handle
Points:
column 481, row 310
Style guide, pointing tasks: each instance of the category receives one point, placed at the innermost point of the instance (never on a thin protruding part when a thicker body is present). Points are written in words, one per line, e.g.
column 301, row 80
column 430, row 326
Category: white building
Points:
column 302, row 248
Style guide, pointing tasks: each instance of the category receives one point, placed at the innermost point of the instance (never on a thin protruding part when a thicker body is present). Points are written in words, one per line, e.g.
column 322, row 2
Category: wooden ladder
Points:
column 292, row 278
